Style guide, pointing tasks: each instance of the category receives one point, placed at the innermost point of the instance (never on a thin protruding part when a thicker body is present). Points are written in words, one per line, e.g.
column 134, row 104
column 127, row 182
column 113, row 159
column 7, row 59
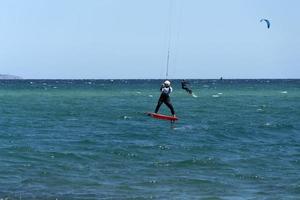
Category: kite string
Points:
column 169, row 37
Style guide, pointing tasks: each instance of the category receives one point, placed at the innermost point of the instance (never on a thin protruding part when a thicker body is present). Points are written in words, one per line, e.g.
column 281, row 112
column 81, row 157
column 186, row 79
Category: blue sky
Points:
column 129, row 39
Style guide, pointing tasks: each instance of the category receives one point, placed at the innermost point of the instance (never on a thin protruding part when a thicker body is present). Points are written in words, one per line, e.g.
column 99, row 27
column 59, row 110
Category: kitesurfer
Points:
column 185, row 86
column 166, row 90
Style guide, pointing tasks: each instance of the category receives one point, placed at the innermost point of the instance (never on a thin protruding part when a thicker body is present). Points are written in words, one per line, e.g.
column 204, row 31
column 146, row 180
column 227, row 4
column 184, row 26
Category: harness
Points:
column 166, row 90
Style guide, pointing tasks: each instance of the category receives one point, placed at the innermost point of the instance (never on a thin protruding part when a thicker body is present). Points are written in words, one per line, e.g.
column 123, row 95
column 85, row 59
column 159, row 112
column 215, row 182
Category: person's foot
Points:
column 174, row 115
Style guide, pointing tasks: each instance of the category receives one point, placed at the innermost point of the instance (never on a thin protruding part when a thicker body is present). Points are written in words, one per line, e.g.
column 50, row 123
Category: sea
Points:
column 91, row 139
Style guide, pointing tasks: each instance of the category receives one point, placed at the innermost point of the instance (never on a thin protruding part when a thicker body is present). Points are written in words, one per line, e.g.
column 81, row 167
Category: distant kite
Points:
column 267, row 22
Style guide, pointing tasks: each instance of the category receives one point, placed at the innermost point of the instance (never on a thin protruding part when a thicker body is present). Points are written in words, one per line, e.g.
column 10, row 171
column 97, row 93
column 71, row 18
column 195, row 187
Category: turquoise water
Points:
column 90, row 139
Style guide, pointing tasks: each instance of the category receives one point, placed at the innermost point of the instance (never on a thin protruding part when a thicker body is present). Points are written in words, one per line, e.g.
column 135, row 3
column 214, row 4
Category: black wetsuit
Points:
column 184, row 85
column 165, row 98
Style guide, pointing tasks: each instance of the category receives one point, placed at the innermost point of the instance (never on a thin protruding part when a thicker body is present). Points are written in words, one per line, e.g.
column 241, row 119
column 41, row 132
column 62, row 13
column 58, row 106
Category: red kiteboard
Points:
column 160, row 116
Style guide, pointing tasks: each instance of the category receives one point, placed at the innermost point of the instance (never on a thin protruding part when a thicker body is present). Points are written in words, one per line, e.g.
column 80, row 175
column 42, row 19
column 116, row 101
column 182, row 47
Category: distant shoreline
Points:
column 9, row 77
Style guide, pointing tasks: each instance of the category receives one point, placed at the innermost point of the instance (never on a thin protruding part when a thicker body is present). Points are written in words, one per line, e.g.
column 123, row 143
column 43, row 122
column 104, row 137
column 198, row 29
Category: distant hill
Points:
column 6, row 76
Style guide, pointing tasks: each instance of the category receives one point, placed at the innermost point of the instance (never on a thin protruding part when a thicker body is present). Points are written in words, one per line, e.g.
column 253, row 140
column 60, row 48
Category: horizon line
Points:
column 151, row 79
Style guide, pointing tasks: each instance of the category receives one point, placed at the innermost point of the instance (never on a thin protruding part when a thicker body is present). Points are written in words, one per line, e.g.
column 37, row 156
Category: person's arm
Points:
column 162, row 86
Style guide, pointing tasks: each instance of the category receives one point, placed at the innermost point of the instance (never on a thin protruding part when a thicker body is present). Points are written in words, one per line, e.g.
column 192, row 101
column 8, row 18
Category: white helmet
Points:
column 167, row 83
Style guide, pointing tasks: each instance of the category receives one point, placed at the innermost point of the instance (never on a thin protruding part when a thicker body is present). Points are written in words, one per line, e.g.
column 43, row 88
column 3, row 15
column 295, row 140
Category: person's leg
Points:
column 187, row 89
column 170, row 106
column 158, row 105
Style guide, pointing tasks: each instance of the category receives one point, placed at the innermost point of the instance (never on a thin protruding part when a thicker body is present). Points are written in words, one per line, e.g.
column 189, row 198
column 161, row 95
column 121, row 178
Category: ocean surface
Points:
column 91, row 139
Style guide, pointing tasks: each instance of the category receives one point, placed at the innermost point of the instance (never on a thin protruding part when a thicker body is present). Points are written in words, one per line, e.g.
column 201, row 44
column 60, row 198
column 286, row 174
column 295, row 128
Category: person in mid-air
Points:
column 185, row 86
column 166, row 90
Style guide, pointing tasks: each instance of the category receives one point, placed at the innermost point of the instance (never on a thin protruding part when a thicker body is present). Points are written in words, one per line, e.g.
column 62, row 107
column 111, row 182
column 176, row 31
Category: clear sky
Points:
column 129, row 38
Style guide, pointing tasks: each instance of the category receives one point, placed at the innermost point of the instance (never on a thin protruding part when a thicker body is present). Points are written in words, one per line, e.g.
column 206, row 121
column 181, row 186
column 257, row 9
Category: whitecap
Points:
column 215, row 95
column 126, row 117
column 150, row 96
column 284, row 92
column 187, row 127
column 72, row 119
column 267, row 124
column 152, row 181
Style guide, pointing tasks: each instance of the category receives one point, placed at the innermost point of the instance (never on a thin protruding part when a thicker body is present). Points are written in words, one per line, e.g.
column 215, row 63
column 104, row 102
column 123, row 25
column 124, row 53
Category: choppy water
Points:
column 90, row 139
